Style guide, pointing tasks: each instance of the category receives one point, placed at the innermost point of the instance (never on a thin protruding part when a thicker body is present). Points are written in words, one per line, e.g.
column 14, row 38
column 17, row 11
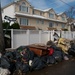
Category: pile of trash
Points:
column 23, row 59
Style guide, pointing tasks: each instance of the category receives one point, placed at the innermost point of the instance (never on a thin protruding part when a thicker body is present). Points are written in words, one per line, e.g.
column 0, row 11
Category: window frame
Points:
column 63, row 26
column 24, row 21
column 23, row 7
column 63, row 18
column 39, row 21
column 51, row 15
column 51, row 24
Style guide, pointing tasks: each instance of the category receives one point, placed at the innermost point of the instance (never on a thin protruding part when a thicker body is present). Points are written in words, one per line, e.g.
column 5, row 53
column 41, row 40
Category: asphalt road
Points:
column 62, row 68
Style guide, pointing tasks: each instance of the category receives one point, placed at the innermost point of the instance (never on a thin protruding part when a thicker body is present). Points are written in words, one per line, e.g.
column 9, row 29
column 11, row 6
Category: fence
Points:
column 26, row 37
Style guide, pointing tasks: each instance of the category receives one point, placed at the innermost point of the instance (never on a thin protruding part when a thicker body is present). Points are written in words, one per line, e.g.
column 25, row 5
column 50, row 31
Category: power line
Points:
column 67, row 4
column 53, row 2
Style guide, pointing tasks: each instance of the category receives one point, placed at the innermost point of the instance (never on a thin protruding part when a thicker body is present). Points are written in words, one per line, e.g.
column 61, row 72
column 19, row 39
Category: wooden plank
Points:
column 39, row 50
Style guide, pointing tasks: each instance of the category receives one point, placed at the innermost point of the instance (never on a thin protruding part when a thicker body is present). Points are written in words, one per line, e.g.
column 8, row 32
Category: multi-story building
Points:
column 27, row 15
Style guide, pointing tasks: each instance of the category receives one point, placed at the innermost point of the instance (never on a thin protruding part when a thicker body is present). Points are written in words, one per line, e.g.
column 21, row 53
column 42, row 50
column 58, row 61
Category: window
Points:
column 63, row 18
column 33, row 12
column 23, row 3
column 56, row 24
column 51, row 24
column 63, row 26
column 23, row 7
column 23, row 21
column 40, row 13
column 40, row 21
column 51, row 15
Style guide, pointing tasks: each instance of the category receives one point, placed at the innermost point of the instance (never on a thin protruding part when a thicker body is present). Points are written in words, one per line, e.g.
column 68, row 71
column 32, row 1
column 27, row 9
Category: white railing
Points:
column 26, row 37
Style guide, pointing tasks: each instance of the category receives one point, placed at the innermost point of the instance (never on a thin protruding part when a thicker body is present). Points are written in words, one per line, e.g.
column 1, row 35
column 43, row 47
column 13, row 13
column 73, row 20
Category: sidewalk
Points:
column 62, row 68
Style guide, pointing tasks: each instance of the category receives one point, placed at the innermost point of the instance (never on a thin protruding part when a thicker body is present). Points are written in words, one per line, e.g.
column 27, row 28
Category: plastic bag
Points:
column 58, row 56
column 37, row 64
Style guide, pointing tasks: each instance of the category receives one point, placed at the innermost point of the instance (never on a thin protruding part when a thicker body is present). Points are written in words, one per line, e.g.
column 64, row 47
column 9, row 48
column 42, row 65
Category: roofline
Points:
column 8, row 5
column 14, row 3
column 61, row 13
column 48, row 9
column 45, row 10
column 39, row 17
column 38, row 9
column 29, row 3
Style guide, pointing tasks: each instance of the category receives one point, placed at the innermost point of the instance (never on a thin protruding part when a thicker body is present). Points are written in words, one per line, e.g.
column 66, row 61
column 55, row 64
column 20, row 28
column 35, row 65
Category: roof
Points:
column 8, row 5
column 73, row 22
column 38, row 9
column 61, row 13
column 43, row 10
column 37, row 16
column 47, row 9
column 31, row 6
column 15, row 2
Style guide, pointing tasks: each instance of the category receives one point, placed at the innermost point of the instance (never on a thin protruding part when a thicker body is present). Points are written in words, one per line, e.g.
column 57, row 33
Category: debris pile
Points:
column 36, row 56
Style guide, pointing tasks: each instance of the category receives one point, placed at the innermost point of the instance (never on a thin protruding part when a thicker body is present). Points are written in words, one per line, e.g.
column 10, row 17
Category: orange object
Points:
column 39, row 50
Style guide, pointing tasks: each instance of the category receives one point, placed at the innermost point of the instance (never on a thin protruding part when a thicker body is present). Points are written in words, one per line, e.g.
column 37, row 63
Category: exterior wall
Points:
column 51, row 11
column 38, row 12
column 46, row 14
column 60, row 17
column 30, row 9
column 38, row 23
column 33, row 21
column 9, row 11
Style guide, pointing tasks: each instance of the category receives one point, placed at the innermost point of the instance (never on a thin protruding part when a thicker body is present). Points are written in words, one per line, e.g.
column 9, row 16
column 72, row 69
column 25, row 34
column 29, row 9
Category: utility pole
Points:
column 2, row 44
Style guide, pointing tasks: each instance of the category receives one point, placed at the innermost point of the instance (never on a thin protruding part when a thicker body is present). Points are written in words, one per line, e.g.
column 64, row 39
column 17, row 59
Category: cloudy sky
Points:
column 58, row 5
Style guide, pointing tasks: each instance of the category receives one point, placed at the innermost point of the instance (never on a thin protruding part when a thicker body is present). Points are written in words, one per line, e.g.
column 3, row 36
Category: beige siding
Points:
column 44, row 26
column 33, row 20
column 31, row 10
column 46, row 14
column 52, row 11
column 27, row 4
column 60, row 17
column 36, row 12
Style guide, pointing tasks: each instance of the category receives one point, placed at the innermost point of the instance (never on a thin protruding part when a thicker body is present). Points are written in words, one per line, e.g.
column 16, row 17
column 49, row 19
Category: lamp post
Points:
column 2, row 44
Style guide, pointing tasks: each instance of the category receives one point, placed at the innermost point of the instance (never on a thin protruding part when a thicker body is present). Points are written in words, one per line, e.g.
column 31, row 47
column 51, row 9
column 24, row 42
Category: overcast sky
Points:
column 57, row 5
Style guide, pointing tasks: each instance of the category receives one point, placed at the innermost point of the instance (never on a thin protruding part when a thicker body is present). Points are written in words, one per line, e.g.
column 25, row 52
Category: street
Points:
column 62, row 68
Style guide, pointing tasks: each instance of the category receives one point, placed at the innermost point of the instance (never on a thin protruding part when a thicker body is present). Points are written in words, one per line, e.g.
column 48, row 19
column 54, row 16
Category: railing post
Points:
column 12, row 35
column 28, row 37
column 49, row 35
column 40, row 38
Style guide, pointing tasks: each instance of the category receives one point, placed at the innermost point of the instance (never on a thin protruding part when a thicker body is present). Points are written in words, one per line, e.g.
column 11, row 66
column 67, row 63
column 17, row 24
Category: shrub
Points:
column 15, row 26
column 6, row 25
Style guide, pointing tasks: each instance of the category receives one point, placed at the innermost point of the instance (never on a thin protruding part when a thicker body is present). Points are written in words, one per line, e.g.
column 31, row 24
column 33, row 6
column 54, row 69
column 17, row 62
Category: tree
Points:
column 5, row 25
column 2, row 45
column 70, row 13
